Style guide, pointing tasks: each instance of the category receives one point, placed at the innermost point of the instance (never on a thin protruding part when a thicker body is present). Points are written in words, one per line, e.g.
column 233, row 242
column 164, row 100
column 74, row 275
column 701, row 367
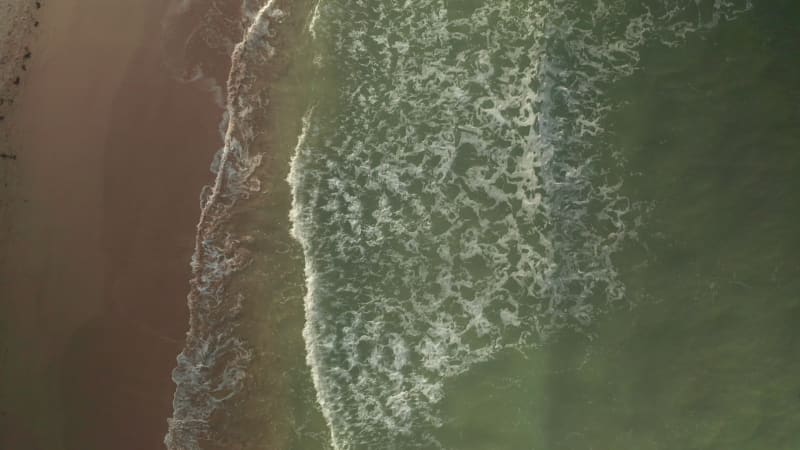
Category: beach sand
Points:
column 112, row 154
column 17, row 23
column 18, row 20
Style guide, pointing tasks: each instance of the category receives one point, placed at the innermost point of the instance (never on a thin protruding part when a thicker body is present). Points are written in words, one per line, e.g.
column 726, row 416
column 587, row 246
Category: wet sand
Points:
column 94, row 276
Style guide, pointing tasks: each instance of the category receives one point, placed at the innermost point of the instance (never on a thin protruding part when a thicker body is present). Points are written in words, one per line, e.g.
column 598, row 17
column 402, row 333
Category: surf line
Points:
column 212, row 366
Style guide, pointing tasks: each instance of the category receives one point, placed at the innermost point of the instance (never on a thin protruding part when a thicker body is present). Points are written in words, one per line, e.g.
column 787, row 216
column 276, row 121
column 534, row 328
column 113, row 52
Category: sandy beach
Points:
column 18, row 21
column 111, row 154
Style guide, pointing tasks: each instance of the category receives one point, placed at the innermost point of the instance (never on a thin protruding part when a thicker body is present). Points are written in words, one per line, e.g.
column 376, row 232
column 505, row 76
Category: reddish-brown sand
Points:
column 112, row 156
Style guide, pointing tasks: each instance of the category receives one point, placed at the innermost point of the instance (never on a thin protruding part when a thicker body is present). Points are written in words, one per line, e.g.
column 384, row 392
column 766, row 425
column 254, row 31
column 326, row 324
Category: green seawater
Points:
column 551, row 224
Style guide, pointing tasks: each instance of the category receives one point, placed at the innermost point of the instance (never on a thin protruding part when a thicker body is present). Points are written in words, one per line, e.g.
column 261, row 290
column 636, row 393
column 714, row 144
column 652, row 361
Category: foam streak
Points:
column 213, row 365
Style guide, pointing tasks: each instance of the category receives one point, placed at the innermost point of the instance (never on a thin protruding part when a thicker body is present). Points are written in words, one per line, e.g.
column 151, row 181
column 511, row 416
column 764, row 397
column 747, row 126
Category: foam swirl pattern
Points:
column 213, row 367
column 456, row 197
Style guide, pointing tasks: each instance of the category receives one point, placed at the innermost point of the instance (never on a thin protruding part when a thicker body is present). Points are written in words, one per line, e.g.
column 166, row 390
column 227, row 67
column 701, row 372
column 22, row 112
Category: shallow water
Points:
column 547, row 225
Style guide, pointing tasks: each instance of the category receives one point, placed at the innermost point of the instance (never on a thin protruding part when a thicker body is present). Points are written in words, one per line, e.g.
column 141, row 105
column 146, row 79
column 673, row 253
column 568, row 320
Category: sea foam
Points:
column 457, row 197
column 213, row 365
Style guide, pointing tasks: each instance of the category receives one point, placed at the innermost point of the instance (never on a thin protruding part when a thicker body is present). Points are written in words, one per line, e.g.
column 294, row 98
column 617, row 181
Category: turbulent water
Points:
column 462, row 192
column 212, row 368
column 454, row 197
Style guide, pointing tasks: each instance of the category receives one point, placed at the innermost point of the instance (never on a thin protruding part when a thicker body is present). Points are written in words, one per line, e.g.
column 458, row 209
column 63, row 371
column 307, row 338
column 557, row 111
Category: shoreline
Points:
column 242, row 379
column 113, row 153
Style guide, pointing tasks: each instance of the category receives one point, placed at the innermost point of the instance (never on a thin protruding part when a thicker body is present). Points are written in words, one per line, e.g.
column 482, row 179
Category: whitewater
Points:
column 454, row 192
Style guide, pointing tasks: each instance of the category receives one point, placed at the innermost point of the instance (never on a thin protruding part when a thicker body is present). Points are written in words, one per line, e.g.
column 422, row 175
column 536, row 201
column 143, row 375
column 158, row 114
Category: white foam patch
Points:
column 451, row 200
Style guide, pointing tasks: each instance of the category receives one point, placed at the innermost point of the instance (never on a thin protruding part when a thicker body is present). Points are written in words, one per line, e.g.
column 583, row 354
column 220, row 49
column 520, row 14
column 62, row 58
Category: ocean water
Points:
column 560, row 224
